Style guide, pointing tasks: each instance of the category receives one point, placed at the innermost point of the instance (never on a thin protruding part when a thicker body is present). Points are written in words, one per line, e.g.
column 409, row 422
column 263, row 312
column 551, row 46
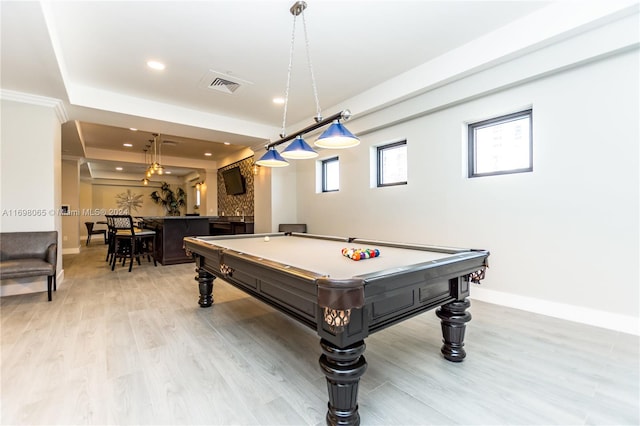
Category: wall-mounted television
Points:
column 233, row 181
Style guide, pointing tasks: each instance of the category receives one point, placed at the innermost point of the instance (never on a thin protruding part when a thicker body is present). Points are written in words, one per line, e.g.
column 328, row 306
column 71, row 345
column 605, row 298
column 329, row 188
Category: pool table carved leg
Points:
column 205, row 286
column 343, row 368
column 454, row 317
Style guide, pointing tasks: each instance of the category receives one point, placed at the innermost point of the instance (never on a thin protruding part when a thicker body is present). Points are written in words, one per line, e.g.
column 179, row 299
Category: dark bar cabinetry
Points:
column 170, row 231
column 230, row 227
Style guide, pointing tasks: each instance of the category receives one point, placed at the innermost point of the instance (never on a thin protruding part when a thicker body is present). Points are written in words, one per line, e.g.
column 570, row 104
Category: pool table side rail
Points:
column 437, row 249
column 410, row 291
column 288, row 289
column 213, row 238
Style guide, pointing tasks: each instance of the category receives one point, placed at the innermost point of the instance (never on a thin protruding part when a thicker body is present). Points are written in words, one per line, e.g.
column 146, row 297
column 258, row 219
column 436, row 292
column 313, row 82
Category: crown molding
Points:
column 28, row 98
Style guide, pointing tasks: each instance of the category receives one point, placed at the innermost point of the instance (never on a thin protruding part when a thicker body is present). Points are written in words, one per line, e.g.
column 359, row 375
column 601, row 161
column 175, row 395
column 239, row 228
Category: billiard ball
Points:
column 266, row 238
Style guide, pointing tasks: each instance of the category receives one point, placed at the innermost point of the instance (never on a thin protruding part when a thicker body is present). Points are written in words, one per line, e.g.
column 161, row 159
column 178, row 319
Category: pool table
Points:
column 308, row 278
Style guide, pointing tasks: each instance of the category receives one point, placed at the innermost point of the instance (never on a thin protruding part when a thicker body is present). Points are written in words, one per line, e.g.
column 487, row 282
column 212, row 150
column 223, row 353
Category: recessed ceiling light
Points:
column 128, row 145
column 227, row 143
column 278, row 101
column 119, row 169
column 133, row 129
column 207, row 154
column 155, row 65
column 168, row 172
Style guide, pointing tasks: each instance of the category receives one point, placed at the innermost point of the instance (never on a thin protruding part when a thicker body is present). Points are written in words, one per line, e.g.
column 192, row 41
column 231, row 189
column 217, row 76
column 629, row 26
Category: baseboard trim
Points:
column 72, row 250
column 623, row 323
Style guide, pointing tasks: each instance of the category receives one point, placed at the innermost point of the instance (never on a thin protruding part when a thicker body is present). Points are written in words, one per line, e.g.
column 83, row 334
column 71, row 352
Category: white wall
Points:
column 30, row 176
column 103, row 199
column 262, row 205
column 71, row 196
column 283, row 195
column 563, row 239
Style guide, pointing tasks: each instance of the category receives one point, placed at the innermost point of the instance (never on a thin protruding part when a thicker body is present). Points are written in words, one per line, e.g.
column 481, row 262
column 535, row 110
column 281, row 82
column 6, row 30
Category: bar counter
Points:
column 171, row 230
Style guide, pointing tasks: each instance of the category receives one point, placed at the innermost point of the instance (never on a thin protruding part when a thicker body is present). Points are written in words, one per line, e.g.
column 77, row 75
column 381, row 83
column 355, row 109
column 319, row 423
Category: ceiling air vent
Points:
column 221, row 82
column 223, row 85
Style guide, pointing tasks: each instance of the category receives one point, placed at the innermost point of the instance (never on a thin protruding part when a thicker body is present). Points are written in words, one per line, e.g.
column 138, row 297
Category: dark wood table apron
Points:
column 344, row 311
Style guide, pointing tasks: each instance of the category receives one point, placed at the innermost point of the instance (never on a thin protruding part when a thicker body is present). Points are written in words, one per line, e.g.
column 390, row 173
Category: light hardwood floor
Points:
column 135, row 348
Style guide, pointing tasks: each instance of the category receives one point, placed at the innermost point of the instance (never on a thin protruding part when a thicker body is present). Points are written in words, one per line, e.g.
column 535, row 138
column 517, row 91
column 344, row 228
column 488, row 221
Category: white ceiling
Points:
column 92, row 55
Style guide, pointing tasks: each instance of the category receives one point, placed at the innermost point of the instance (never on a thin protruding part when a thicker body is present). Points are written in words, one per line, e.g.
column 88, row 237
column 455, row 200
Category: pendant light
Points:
column 336, row 136
column 299, row 150
column 272, row 159
column 155, row 165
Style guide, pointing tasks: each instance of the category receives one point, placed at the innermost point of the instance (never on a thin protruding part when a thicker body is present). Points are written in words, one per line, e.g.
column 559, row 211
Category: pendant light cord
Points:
column 286, row 92
column 318, row 116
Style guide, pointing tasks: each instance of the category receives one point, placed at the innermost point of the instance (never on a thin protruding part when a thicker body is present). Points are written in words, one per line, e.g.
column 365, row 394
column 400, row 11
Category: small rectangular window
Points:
column 501, row 145
column 330, row 175
column 392, row 164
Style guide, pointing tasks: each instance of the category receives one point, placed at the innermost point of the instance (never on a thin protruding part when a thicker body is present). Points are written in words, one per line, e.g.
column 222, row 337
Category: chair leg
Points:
column 55, row 284
column 49, row 284
column 109, row 241
column 88, row 239
column 113, row 255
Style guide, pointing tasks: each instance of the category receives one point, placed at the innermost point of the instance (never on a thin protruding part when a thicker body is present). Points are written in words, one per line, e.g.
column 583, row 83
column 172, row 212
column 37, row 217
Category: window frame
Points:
column 323, row 168
column 379, row 150
column 527, row 113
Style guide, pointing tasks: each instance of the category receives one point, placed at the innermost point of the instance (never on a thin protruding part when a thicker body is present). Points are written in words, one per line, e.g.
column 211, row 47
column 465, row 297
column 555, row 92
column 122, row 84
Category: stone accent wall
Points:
column 228, row 205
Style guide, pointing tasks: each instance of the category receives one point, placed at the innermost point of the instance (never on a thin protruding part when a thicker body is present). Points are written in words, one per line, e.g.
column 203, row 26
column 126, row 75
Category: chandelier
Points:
column 336, row 136
column 154, row 158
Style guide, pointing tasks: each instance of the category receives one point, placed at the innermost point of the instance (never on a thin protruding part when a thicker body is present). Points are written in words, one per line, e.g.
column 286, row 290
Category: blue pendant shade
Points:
column 336, row 137
column 272, row 158
column 299, row 150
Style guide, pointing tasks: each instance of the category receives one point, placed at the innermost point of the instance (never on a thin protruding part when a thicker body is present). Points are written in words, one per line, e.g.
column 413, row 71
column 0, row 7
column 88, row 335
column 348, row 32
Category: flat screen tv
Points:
column 233, row 181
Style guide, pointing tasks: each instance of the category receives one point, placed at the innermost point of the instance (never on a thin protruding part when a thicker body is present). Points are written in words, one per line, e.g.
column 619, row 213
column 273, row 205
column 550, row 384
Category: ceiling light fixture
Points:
column 272, row 158
column 336, row 136
column 155, row 65
column 128, row 145
column 154, row 159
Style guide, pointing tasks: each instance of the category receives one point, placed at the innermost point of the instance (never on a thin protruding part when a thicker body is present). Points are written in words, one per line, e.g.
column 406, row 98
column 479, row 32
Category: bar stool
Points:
column 110, row 238
column 130, row 242
column 91, row 231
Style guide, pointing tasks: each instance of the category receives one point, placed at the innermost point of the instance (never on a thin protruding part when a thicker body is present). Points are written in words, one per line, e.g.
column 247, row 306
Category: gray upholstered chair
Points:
column 29, row 254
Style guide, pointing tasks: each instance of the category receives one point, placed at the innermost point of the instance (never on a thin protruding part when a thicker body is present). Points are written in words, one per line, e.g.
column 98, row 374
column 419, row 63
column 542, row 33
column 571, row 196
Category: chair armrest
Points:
column 52, row 254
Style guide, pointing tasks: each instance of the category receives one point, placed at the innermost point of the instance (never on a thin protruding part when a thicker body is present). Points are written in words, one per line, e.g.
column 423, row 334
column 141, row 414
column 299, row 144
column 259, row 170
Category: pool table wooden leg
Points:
column 343, row 368
column 205, row 286
column 454, row 318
